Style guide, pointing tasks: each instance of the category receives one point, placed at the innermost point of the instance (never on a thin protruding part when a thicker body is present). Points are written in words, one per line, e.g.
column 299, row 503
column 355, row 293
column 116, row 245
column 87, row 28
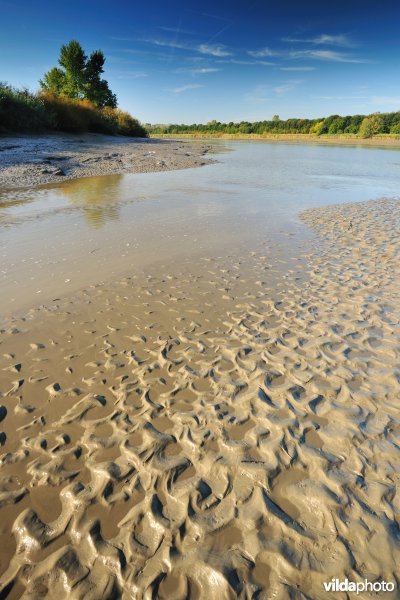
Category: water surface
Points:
column 57, row 238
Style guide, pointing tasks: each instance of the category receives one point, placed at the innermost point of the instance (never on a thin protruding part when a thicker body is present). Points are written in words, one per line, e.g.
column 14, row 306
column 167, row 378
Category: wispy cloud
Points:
column 324, row 40
column 237, row 61
column 264, row 93
column 218, row 50
column 327, row 55
column 214, row 50
column 297, row 68
column 185, row 88
column 340, row 98
column 285, row 87
column 178, row 30
column 169, row 44
column 198, row 71
column 262, row 53
column 389, row 101
column 258, row 95
column 131, row 75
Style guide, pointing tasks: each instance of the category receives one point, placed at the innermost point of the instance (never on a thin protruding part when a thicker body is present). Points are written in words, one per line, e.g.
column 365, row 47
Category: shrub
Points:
column 22, row 111
column 75, row 115
column 124, row 123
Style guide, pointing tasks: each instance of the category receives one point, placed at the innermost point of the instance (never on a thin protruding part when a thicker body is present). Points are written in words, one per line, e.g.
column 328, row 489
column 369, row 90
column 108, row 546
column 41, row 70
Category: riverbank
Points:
column 377, row 140
column 209, row 427
column 31, row 160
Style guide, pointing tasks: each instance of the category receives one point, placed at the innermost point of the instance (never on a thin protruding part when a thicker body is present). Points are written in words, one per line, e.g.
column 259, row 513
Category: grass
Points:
column 380, row 139
column 22, row 111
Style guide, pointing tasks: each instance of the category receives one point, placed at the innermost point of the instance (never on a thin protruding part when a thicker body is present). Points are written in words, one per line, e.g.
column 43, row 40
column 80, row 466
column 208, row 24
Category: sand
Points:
column 383, row 140
column 27, row 161
column 221, row 430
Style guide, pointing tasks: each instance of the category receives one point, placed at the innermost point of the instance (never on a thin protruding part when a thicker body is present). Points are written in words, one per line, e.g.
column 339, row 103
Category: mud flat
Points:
column 27, row 161
column 224, row 430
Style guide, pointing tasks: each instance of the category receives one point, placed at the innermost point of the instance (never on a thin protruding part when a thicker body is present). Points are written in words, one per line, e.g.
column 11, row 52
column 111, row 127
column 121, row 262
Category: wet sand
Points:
column 227, row 429
column 27, row 161
column 383, row 140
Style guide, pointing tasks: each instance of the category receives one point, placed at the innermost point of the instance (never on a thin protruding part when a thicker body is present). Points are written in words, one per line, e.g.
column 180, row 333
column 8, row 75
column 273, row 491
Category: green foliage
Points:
column 82, row 115
column 377, row 123
column 316, row 128
column 371, row 125
column 75, row 115
column 22, row 111
column 96, row 89
column 365, row 130
column 54, row 80
column 80, row 77
column 124, row 123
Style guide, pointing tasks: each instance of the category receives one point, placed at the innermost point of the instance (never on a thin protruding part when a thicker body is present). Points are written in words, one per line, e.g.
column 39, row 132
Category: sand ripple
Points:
column 182, row 436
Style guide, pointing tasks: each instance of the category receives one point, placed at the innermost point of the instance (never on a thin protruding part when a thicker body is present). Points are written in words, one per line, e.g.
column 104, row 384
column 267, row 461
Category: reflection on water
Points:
column 99, row 198
column 58, row 238
column 12, row 199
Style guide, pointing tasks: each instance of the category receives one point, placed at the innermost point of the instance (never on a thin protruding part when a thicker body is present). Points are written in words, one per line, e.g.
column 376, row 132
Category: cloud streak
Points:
column 131, row 75
column 185, row 88
column 324, row 39
column 214, row 50
column 327, row 55
column 198, row 71
column 297, row 68
column 237, row 61
column 262, row 53
column 264, row 93
column 217, row 50
column 258, row 95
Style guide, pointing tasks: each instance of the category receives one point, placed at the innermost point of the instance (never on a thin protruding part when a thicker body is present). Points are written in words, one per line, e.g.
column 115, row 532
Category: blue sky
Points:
column 182, row 62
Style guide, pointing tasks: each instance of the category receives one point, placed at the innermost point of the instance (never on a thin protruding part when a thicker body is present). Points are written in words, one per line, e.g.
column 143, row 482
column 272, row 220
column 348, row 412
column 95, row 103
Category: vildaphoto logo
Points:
column 344, row 585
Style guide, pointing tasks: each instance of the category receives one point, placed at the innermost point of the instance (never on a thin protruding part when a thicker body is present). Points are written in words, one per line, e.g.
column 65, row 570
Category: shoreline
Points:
column 379, row 140
column 32, row 160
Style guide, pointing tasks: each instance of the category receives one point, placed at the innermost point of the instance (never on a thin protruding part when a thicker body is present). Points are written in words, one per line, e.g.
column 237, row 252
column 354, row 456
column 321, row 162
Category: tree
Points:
column 97, row 90
column 79, row 77
column 317, row 128
column 370, row 125
column 275, row 118
column 54, row 81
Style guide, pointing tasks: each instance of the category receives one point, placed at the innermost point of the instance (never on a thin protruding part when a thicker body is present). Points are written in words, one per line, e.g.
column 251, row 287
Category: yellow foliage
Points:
column 82, row 115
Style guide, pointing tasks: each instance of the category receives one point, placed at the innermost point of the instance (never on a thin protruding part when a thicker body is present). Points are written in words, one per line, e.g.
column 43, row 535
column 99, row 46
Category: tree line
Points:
column 361, row 125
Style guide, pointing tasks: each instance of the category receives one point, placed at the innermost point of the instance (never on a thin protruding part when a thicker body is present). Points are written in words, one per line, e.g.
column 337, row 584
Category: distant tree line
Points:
column 361, row 125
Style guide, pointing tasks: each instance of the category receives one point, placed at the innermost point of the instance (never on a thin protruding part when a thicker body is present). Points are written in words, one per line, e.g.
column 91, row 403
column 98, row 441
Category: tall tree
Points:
column 97, row 90
column 79, row 77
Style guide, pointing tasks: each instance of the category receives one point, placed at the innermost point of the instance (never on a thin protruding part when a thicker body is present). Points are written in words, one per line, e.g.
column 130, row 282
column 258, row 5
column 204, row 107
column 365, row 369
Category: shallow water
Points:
column 57, row 238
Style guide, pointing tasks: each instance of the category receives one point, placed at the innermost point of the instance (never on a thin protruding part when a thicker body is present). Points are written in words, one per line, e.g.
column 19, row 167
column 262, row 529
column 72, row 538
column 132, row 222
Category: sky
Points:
column 175, row 61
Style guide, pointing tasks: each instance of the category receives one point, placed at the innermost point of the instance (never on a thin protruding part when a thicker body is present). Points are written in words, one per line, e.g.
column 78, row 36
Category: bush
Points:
column 22, row 111
column 75, row 115
column 124, row 123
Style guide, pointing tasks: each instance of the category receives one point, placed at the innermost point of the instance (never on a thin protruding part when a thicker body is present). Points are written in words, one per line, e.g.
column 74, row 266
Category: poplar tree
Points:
column 79, row 76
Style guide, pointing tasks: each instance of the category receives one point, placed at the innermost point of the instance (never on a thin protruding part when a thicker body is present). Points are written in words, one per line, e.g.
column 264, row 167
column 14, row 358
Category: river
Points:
column 55, row 239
